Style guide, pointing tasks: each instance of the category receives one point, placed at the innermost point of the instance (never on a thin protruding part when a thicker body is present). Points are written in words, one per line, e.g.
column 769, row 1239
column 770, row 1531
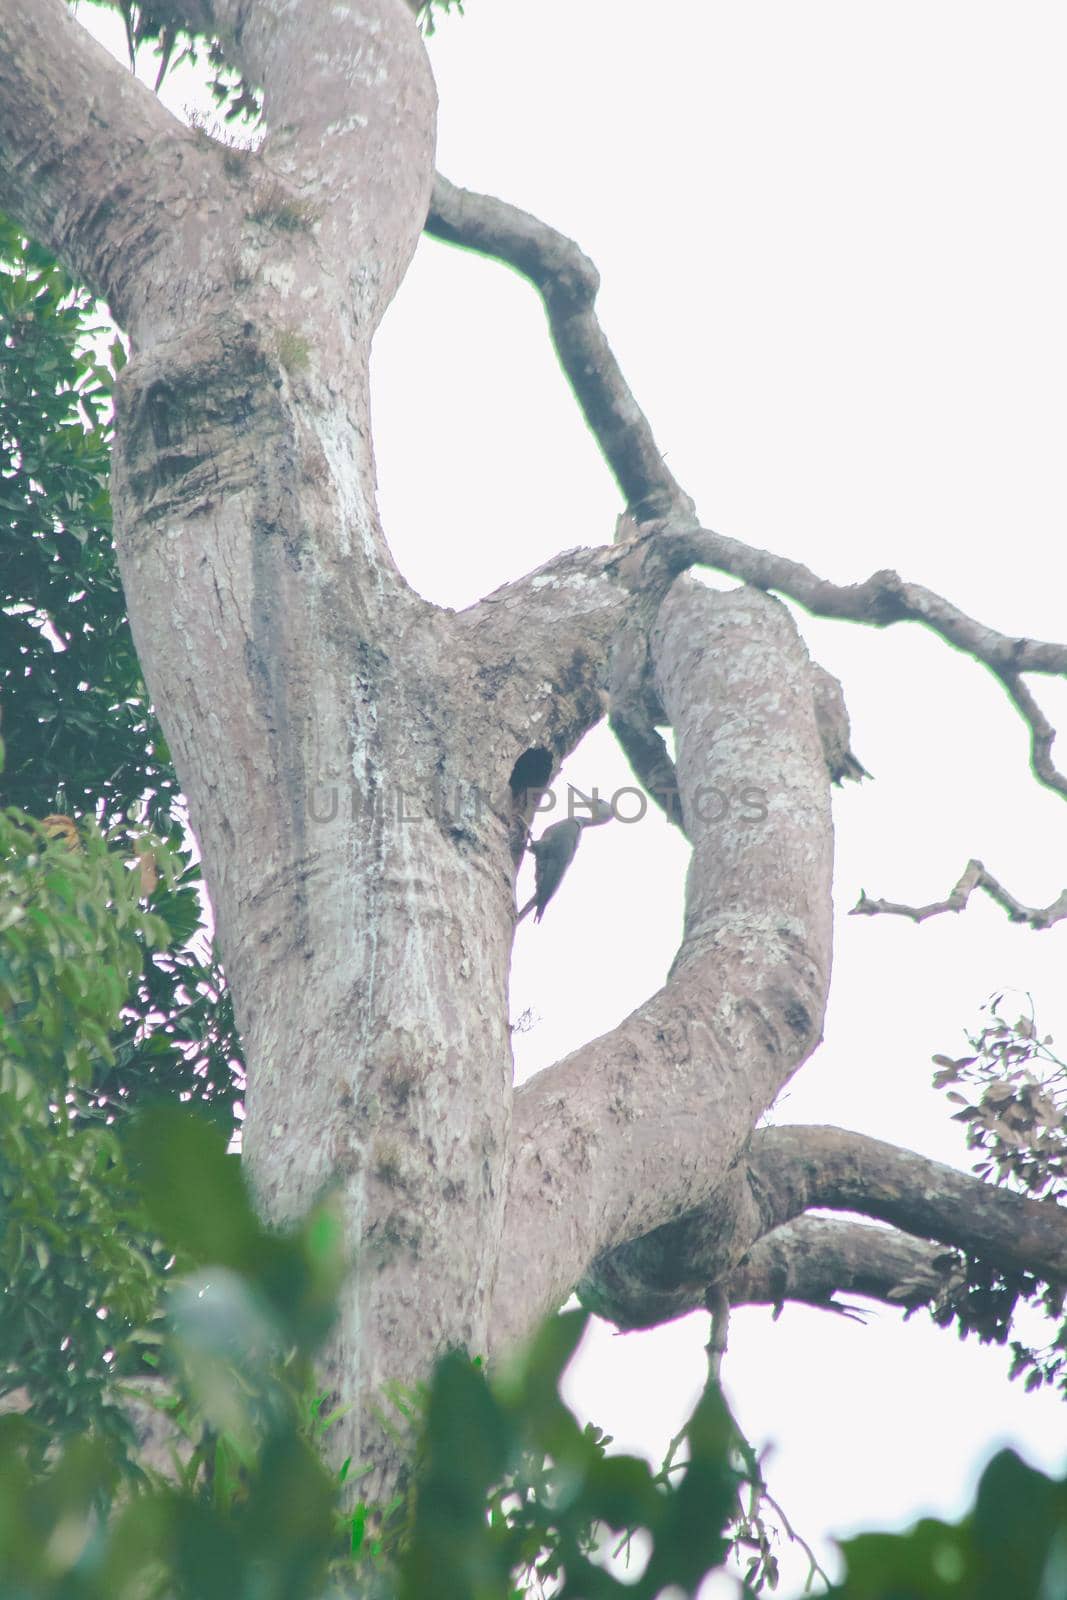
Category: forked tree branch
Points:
column 564, row 275
column 974, row 876
column 567, row 282
column 644, row 1122
column 795, row 1169
column 882, row 599
column 789, row 1171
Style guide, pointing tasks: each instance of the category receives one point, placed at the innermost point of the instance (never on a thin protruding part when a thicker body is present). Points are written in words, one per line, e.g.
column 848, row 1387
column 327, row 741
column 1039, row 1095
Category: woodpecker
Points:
column 831, row 719
column 554, row 851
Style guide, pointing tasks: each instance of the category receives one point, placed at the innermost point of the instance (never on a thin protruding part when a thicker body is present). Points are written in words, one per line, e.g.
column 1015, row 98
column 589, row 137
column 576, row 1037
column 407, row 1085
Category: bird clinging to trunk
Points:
column 554, row 851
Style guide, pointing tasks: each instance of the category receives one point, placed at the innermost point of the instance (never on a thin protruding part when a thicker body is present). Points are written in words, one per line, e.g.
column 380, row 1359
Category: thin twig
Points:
column 815, row 1569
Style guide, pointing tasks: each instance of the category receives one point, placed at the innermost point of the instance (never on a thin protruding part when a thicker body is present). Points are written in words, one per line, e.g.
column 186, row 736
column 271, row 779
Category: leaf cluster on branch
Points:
column 1011, row 1091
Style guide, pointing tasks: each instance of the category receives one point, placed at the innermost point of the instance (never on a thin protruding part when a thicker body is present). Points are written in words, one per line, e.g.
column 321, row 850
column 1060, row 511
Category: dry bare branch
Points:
column 882, row 599
column 1042, row 733
column 717, row 1302
column 974, row 876
column 568, row 282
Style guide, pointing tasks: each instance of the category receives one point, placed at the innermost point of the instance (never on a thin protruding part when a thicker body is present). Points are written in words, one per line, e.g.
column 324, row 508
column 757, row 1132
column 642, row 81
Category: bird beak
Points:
column 599, row 810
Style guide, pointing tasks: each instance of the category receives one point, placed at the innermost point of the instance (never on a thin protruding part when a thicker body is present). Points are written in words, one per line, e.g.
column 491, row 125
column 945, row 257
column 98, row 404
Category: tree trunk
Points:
column 355, row 759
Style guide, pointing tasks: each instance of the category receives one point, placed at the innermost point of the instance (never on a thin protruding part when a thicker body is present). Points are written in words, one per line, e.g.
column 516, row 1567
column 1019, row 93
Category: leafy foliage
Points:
column 1019, row 1105
column 553, row 1490
column 98, row 1214
column 1012, row 1093
column 76, row 718
column 80, row 1269
column 426, row 13
column 1014, row 1542
column 253, row 1510
column 509, row 1494
column 81, row 736
column 107, row 995
column 508, row 1481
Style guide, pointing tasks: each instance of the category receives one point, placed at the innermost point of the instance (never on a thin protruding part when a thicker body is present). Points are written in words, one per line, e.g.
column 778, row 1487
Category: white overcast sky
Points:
column 831, row 237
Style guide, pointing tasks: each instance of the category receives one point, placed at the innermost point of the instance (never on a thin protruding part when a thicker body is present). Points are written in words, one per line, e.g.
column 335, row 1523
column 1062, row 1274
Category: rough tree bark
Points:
column 354, row 758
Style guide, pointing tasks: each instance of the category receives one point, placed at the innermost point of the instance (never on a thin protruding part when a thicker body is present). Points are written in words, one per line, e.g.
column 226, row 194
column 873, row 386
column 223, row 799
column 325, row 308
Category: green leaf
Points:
column 193, row 1189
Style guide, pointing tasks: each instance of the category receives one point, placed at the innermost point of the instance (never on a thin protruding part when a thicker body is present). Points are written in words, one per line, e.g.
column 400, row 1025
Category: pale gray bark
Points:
column 347, row 749
column 641, row 1124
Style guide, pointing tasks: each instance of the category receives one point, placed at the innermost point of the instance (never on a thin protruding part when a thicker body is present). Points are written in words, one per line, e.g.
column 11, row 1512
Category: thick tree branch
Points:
column 635, row 711
column 567, row 282
column 138, row 205
column 974, row 876
column 95, row 168
column 788, row 1171
column 815, row 1258
column 794, row 1169
column 349, row 105
column 642, row 1124
column 540, row 649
